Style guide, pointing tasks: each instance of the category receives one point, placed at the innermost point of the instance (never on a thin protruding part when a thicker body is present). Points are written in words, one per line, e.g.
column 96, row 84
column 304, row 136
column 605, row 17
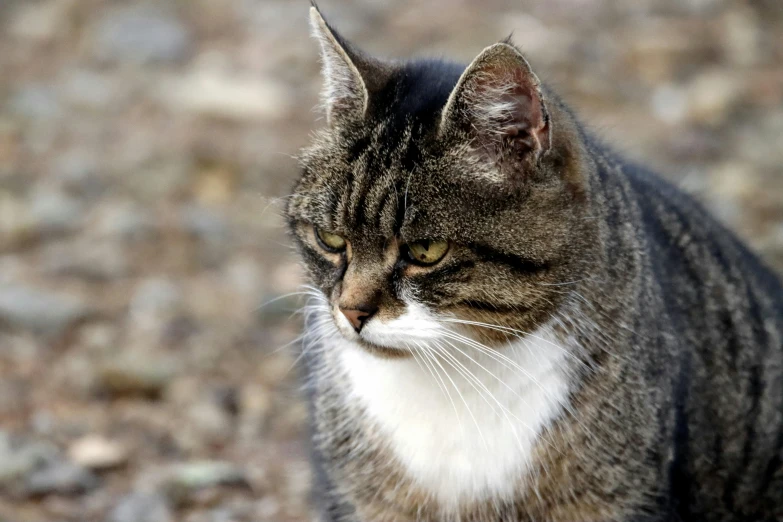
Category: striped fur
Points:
column 671, row 330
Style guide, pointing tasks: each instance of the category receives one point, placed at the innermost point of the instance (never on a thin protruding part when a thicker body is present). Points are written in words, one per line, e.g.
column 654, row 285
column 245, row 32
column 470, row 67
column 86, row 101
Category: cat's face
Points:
column 436, row 198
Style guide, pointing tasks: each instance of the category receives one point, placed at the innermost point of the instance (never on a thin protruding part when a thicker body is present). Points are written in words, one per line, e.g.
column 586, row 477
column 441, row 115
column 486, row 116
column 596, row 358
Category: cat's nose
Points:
column 358, row 316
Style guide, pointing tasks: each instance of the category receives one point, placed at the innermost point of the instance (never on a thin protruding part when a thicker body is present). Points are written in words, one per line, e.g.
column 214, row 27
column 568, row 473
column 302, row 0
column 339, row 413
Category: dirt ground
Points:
column 148, row 365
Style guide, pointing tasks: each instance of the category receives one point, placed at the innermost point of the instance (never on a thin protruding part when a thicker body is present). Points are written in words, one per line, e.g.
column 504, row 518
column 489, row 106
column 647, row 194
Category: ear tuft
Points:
column 344, row 93
column 498, row 101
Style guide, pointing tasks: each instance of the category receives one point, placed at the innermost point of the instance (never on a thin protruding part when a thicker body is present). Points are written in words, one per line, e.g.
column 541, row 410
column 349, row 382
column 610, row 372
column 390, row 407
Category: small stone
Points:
column 14, row 393
column 203, row 224
column 140, row 34
column 77, row 172
column 209, row 422
column 18, row 461
column 89, row 260
column 255, row 404
column 62, row 478
column 160, row 179
column 187, row 479
column 55, row 212
column 142, row 507
column 740, row 35
column 711, row 96
column 39, row 311
column 156, row 301
column 12, row 268
column 137, row 374
column 210, row 92
column 40, row 21
column 98, row 453
column 37, row 102
column 215, row 185
column 669, row 103
column 123, row 220
column 17, row 225
column 211, row 231
column 244, row 279
column 97, row 337
column 88, row 89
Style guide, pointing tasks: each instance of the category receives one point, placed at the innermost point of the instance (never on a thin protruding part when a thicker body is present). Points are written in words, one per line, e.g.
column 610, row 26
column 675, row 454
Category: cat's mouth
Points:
column 384, row 351
column 393, row 338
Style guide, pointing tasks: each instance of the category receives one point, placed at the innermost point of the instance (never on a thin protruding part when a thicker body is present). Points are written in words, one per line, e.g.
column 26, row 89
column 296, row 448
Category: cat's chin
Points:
column 381, row 350
column 386, row 352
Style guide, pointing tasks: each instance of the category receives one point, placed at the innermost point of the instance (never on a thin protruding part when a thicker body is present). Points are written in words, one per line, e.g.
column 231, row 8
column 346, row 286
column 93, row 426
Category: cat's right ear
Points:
column 498, row 102
column 344, row 93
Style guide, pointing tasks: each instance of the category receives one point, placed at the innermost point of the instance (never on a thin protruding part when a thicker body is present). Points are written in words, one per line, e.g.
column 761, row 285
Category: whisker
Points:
column 471, row 378
column 453, row 405
column 438, row 380
column 428, row 354
column 518, row 333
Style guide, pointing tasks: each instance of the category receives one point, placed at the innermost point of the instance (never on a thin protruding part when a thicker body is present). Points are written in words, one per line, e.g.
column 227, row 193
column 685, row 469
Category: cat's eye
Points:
column 426, row 252
column 330, row 242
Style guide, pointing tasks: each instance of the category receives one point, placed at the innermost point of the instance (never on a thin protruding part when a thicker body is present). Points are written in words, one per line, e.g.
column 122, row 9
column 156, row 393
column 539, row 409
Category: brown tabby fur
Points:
column 676, row 329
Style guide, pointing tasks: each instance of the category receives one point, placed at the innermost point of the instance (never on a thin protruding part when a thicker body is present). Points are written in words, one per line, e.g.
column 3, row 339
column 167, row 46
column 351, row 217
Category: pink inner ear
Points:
column 505, row 101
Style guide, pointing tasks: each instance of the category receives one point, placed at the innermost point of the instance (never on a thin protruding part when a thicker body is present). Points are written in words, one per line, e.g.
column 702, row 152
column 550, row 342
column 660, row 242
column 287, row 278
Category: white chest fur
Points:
column 476, row 441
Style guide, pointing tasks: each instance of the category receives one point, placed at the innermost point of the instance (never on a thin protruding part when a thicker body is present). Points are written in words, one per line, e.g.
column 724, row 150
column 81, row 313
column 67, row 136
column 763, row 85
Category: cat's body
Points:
column 628, row 364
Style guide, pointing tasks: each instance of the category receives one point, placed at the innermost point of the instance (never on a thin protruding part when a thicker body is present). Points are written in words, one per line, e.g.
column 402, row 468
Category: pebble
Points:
column 212, row 423
column 160, row 179
column 155, row 301
column 40, row 311
column 210, row 229
column 19, row 460
column 137, row 374
column 17, row 225
column 37, row 102
column 215, row 185
column 98, row 453
column 213, row 93
column 741, row 38
column 77, row 172
column 40, row 21
column 255, row 405
column 711, row 96
column 142, row 507
column 55, row 212
column 204, row 224
column 189, row 478
column 123, row 220
column 100, row 261
column 669, row 103
column 140, row 34
column 84, row 88
column 62, row 478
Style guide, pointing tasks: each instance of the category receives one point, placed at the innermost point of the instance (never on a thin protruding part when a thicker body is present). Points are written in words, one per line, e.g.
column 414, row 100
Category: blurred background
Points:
column 145, row 272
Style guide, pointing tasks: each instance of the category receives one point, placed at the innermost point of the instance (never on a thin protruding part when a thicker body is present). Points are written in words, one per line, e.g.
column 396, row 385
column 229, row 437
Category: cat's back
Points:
column 681, row 234
column 724, row 310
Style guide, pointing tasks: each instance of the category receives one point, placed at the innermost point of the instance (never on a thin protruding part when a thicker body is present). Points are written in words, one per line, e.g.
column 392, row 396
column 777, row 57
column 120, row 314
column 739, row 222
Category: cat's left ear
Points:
column 350, row 76
column 498, row 100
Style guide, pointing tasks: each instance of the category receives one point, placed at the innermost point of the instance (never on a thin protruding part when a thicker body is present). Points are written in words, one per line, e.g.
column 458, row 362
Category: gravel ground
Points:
column 147, row 370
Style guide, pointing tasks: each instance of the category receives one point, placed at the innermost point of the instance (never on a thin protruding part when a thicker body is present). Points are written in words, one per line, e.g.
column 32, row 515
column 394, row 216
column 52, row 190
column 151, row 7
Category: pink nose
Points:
column 358, row 316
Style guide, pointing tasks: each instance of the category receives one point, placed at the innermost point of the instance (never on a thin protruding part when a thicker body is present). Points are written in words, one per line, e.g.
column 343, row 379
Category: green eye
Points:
column 330, row 242
column 426, row 252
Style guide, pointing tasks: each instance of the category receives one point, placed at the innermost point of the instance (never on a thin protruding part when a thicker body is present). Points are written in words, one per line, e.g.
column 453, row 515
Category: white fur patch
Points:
column 476, row 441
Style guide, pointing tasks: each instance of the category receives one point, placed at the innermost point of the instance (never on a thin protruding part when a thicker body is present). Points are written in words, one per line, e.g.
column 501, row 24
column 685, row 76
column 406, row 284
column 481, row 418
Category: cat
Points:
column 509, row 322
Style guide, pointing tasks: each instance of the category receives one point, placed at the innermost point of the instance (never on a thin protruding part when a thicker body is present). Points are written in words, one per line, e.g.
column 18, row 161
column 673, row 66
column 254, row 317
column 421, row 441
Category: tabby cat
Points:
column 509, row 322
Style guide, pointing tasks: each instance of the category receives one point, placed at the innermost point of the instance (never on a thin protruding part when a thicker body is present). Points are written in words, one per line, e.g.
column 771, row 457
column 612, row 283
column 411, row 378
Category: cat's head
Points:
column 437, row 196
